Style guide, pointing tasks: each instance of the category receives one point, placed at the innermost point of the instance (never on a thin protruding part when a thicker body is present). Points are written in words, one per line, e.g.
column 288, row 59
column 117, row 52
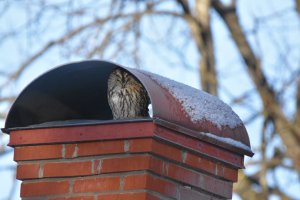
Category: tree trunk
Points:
column 199, row 24
column 288, row 132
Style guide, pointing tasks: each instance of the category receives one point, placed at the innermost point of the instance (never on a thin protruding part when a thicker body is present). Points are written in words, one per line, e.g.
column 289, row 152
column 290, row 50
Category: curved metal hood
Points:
column 78, row 91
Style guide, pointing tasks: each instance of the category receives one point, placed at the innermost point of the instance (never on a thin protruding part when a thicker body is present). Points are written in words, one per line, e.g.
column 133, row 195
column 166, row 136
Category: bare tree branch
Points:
column 201, row 32
column 73, row 33
column 297, row 117
column 244, row 187
column 298, row 6
column 268, row 96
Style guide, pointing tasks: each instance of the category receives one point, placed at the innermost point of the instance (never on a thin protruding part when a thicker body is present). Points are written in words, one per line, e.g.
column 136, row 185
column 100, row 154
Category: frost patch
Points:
column 229, row 141
column 197, row 104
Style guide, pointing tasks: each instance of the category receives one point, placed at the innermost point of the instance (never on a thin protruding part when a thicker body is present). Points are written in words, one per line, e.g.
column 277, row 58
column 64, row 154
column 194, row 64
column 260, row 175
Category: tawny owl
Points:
column 127, row 97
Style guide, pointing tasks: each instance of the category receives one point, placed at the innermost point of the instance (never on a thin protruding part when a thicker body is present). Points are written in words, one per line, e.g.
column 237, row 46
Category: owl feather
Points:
column 127, row 97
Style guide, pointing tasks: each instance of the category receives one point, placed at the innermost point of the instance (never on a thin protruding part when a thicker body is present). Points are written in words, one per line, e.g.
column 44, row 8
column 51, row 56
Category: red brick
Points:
column 28, row 171
column 73, row 198
column 134, row 182
column 128, row 196
column 140, row 145
column 62, row 169
column 44, row 188
column 199, row 180
column 70, row 151
column 189, row 194
column 167, row 151
column 37, row 152
column 162, row 186
column 149, row 182
column 200, row 163
column 150, row 145
column 100, row 148
column 202, row 147
column 227, row 172
column 156, row 165
column 218, row 169
column 122, row 164
column 184, row 175
column 82, row 133
column 98, row 184
column 230, row 174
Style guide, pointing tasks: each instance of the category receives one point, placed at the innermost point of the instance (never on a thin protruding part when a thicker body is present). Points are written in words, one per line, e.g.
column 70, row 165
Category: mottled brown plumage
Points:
column 127, row 97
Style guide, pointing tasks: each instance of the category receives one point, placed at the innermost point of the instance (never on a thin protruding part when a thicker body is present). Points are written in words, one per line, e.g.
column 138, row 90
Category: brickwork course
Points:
column 94, row 165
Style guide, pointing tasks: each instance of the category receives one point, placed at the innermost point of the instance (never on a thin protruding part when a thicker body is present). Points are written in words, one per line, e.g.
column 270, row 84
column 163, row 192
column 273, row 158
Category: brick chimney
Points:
column 68, row 148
